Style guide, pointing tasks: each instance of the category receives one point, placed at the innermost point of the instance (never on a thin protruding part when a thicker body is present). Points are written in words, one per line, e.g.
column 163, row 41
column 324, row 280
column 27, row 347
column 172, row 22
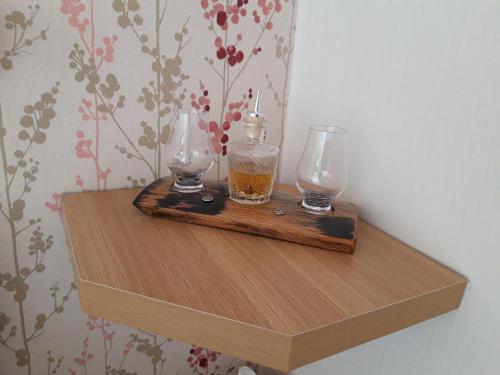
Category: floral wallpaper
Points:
column 87, row 93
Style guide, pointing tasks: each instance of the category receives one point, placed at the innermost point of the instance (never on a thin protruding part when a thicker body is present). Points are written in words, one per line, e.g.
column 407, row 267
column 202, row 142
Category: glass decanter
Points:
column 322, row 169
column 252, row 163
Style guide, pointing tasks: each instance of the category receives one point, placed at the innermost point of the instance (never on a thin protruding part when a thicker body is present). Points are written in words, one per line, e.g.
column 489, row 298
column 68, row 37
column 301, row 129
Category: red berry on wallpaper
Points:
column 231, row 50
column 232, row 60
column 226, row 125
column 221, row 18
column 203, row 363
column 221, row 53
column 240, row 56
column 212, row 126
column 237, row 116
column 224, row 138
column 224, row 150
column 218, row 134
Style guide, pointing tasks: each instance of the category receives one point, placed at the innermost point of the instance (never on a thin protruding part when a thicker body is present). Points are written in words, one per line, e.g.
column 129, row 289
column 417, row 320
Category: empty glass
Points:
column 189, row 153
column 322, row 169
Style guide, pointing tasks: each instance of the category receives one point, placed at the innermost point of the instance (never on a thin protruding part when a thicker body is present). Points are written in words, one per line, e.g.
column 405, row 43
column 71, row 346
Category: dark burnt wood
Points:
column 334, row 230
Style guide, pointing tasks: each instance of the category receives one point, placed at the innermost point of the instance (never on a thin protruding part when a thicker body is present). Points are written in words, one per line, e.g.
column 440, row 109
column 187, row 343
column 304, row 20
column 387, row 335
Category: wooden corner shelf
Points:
column 272, row 302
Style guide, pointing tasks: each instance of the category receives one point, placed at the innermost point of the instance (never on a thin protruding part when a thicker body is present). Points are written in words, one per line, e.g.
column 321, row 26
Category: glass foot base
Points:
column 316, row 203
column 314, row 209
column 183, row 185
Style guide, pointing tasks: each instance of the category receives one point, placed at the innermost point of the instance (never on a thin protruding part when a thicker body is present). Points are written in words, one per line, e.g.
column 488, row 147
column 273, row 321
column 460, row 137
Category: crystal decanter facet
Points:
column 252, row 163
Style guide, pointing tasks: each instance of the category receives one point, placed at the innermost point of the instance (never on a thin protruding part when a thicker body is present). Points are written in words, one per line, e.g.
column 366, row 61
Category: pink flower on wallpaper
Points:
column 234, row 56
column 92, row 110
column 267, row 7
column 83, row 145
column 85, row 356
column 219, row 136
column 128, row 346
column 88, row 113
column 107, row 52
column 54, row 206
column 103, row 175
column 256, row 50
column 200, row 357
column 86, row 110
column 73, row 8
column 223, row 15
column 79, row 181
column 202, row 101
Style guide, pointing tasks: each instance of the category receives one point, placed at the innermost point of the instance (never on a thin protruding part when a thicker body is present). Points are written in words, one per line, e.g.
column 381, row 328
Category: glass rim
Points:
column 324, row 128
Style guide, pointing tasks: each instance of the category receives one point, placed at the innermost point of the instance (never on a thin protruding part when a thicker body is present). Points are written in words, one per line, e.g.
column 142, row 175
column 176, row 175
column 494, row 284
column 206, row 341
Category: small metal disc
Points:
column 207, row 198
column 279, row 211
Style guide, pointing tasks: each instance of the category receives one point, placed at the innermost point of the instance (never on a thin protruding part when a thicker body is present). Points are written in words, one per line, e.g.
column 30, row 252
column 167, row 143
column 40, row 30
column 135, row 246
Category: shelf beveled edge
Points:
column 231, row 337
column 266, row 347
column 356, row 330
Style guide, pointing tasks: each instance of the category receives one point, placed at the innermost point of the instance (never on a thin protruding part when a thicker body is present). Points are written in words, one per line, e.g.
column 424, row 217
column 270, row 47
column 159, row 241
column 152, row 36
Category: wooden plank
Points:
column 332, row 230
column 274, row 302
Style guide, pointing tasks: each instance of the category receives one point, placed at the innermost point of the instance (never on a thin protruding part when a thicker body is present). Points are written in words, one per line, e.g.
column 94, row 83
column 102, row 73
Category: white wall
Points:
column 417, row 82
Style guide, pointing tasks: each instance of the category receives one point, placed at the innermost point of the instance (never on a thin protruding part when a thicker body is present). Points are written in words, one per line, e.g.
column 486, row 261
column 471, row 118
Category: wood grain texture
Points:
column 331, row 230
column 273, row 302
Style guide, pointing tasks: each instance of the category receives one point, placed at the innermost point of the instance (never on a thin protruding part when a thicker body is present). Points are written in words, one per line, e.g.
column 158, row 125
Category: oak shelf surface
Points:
column 276, row 303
